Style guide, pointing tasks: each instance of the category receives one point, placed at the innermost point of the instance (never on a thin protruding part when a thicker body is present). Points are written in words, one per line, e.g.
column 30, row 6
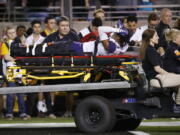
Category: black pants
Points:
column 31, row 102
column 1, row 67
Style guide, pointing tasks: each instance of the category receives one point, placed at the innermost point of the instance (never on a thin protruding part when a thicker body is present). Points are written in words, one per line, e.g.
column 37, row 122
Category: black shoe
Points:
column 176, row 108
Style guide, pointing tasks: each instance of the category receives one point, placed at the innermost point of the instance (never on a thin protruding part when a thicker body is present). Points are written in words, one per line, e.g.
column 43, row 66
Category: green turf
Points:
column 160, row 130
column 37, row 120
column 62, row 120
column 175, row 130
column 161, row 120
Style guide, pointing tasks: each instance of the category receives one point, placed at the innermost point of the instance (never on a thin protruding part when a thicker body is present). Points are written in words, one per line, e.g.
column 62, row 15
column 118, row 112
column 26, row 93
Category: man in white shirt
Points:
column 35, row 38
column 153, row 21
column 43, row 106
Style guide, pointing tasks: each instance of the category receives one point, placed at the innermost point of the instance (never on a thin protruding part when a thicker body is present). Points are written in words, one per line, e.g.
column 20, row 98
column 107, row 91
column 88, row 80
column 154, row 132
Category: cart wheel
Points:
column 94, row 115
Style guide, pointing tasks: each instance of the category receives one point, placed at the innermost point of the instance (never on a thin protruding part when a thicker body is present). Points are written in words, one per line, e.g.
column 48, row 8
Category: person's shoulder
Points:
column 150, row 49
column 85, row 31
column 43, row 33
column 172, row 46
column 29, row 39
column 159, row 26
column 52, row 36
column 49, row 38
column 42, row 37
column 73, row 35
column 3, row 44
column 143, row 28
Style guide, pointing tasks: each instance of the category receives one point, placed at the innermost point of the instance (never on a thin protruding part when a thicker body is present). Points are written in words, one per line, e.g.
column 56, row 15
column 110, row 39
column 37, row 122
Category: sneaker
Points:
column 52, row 116
column 70, row 114
column 67, row 114
column 29, row 116
column 41, row 106
column 24, row 116
column 176, row 108
column 9, row 117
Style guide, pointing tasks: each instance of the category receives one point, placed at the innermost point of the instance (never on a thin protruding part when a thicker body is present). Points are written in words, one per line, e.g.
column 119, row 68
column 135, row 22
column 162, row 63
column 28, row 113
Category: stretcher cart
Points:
column 113, row 93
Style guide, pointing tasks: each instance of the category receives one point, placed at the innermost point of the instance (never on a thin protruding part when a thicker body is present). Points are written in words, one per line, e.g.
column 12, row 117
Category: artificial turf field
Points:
column 154, row 130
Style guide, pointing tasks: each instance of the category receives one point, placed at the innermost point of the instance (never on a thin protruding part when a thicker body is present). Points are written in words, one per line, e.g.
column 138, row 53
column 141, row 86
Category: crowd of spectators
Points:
column 81, row 9
column 158, row 39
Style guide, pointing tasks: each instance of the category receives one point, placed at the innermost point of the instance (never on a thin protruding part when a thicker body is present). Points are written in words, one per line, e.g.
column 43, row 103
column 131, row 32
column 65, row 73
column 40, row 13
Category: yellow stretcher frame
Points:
column 59, row 74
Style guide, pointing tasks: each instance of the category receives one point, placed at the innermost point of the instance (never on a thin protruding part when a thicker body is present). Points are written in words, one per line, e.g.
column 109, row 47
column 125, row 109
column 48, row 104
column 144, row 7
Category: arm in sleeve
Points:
column 103, row 30
column 7, row 57
column 160, row 70
column 49, row 38
column 4, row 49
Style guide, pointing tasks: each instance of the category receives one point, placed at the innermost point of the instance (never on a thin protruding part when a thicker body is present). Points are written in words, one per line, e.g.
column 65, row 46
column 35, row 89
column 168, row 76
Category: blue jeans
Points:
column 10, row 100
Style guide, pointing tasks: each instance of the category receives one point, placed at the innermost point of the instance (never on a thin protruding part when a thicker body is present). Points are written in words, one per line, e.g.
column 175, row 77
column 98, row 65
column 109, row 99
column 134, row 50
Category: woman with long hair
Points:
column 151, row 59
column 153, row 65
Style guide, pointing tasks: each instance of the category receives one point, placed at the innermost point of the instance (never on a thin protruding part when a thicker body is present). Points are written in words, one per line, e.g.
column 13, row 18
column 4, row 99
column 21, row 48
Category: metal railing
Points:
column 28, row 14
column 116, row 12
column 19, row 14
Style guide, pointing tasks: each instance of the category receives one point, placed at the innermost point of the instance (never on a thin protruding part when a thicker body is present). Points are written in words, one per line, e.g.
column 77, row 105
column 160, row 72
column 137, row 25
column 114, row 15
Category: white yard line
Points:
column 51, row 125
column 154, row 124
column 37, row 125
column 138, row 133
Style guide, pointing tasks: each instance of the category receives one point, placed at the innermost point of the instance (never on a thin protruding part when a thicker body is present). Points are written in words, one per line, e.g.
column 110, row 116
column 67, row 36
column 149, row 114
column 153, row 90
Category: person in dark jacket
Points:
column 165, row 20
column 64, row 33
column 172, row 55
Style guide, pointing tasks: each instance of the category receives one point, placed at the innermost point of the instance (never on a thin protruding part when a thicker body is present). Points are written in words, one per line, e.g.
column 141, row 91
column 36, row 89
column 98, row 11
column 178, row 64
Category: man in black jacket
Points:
column 64, row 32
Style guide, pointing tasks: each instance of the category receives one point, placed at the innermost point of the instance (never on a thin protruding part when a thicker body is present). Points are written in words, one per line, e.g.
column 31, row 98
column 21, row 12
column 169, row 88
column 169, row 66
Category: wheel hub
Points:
column 95, row 117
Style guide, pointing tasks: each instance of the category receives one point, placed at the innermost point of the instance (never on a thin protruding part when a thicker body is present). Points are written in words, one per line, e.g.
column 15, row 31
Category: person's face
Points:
column 125, row 24
column 37, row 28
column 100, row 15
column 153, row 23
column 167, row 17
column 154, row 39
column 132, row 26
column 21, row 32
column 64, row 27
column 51, row 24
column 11, row 34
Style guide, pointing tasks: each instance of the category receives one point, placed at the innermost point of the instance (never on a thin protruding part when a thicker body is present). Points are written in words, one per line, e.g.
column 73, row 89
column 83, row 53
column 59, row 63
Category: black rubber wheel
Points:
column 127, row 124
column 95, row 114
